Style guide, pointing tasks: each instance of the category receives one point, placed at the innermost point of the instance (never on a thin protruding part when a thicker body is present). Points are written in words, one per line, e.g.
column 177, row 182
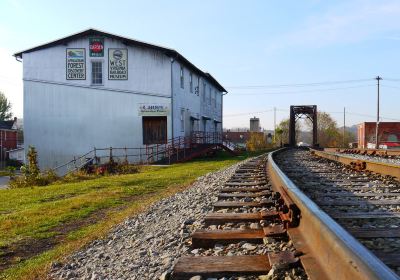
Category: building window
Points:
column 215, row 99
column 182, row 120
column 191, row 82
column 182, row 79
column 97, row 72
column 197, row 89
column 204, row 92
column 209, row 97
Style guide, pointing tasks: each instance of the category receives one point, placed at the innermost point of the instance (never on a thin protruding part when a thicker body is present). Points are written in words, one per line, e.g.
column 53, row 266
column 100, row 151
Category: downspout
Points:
column 222, row 114
column 172, row 100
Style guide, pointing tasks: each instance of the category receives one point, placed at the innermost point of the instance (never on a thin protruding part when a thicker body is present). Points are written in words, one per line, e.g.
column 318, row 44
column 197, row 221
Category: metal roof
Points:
column 6, row 124
column 94, row 32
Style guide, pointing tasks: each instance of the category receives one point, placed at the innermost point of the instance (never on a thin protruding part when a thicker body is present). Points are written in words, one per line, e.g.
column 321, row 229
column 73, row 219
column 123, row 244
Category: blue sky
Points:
column 243, row 44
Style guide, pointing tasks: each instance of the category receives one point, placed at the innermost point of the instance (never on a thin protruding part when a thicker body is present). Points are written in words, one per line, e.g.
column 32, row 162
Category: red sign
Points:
column 96, row 47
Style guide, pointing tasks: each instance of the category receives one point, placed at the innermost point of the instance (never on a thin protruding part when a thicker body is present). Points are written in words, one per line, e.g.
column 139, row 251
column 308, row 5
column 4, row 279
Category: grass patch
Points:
column 73, row 214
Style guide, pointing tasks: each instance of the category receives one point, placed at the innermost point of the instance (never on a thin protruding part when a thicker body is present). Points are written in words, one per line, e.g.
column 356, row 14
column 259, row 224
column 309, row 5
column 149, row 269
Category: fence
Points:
column 148, row 154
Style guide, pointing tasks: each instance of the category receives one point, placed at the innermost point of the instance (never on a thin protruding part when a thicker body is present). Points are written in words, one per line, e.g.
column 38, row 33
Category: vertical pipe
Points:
column 377, row 118
column 344, row 126
column 274, row 123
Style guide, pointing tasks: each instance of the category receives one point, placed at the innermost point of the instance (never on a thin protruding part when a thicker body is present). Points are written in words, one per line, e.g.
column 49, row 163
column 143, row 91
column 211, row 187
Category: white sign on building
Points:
column 117, row 64
column 76, row 64
column 151, row 109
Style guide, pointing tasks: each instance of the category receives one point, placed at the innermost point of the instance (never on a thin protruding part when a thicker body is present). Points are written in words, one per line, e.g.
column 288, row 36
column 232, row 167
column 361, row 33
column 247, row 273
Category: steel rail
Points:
column 361, row 164
column 328, row 250
column 380, row 152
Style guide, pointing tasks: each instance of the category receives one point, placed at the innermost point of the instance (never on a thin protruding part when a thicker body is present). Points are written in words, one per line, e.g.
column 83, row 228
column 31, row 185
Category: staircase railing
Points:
column 176, row 147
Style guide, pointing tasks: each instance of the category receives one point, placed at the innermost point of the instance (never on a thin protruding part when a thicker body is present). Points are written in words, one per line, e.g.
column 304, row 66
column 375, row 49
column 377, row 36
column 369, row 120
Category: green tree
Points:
column 5, row 108
column 328, row 132
column 257, row 142
column 282, row 132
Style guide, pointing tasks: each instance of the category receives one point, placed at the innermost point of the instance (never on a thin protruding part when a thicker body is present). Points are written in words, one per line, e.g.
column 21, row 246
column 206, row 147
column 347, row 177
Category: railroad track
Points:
column 366, row 204
column 262, row 224
column 244, row 236
column 391, row 157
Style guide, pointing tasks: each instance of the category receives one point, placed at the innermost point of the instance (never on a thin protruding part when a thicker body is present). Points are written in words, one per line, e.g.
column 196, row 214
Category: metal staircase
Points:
column 178, row 149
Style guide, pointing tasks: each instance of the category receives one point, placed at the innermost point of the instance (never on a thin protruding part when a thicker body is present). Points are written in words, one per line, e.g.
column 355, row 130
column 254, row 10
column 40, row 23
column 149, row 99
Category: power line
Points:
column 249, row 113
column 392, row 80
column 298, row 92
column 303, row 84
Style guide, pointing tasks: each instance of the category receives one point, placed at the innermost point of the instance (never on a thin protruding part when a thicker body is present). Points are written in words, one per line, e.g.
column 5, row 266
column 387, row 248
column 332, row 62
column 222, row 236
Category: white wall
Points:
column 148, row 70
column 67, row 118
column 64, row 121
column 193, row 104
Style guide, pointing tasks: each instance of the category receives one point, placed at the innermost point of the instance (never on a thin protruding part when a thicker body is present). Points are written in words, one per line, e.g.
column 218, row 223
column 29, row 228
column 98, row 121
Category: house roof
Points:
column 94, row 32
column 6, row 124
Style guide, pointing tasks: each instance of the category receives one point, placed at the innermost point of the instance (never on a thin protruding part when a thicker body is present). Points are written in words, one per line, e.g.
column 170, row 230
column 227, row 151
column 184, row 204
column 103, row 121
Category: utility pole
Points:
column 344, row 126
column 377, row 118
column 274, row 124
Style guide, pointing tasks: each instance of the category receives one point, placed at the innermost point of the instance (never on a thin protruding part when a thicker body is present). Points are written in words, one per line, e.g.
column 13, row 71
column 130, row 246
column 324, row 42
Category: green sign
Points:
column 96, row 47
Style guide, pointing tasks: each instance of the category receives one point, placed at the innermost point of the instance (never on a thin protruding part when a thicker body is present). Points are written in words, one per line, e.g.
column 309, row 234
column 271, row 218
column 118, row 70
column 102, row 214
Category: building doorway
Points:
column 154, row 130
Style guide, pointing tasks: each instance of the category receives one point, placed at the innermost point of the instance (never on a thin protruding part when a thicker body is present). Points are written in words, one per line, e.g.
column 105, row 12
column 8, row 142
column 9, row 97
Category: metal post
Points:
column 377, row 118
column 274, row 124
column 292, row 127
column 344, row 126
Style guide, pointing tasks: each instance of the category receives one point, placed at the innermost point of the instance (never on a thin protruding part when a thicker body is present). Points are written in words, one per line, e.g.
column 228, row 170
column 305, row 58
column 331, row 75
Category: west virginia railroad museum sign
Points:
column 117, row 64
column 76, row 64
column 152, row 109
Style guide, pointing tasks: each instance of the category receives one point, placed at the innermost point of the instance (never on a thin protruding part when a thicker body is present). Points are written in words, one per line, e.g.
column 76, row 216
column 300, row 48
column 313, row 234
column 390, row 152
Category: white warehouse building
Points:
column 96, row 89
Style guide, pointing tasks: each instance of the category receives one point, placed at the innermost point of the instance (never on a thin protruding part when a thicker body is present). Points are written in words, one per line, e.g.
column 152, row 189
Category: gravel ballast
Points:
column 147, row 245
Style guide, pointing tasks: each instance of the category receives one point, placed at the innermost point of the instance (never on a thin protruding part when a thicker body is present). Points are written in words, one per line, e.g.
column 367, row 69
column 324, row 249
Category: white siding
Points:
column 65, row 119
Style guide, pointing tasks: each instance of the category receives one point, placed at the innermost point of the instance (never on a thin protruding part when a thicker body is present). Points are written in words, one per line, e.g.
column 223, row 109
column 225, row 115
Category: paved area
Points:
column 4, row 182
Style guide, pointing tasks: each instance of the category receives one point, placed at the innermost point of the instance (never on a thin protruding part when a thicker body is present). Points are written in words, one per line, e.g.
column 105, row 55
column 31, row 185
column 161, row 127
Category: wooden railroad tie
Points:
column 240, row 204
column 246, row 189
column 258, row 183
column 203, row 238
column 219, row 266
column 243, row 195
column 222, row 218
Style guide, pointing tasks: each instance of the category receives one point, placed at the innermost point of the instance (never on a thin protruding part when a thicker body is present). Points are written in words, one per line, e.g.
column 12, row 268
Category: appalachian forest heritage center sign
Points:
column 96, row 47
column 76, row 64
column 117, row 64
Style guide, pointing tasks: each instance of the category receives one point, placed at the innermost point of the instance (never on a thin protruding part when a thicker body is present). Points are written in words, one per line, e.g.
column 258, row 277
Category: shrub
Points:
column 14, row 163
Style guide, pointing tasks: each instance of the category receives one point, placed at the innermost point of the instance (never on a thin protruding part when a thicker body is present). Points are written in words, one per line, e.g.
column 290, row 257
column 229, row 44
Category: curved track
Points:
column 298, row 212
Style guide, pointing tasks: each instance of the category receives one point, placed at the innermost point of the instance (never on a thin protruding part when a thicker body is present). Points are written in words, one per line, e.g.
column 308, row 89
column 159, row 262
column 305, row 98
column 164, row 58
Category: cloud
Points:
column 348, row 23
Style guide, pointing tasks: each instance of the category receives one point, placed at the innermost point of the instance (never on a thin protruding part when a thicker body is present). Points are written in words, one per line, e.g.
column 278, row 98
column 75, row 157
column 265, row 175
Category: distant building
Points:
column 97, row 89
column 255, row 124
column 388, row 137
column 8, row 137
column 239, row 138
column 17, row 154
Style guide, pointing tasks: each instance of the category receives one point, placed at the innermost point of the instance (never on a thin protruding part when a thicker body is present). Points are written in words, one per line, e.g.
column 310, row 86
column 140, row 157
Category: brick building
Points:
column 388, row 137
column 8, row 137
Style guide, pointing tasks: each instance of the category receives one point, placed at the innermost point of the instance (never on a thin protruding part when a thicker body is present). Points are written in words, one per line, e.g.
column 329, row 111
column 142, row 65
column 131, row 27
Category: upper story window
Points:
column 182, row 78
column 197, row 89
column 209, row 96
column 97, row 72
column 191, row 82
column 215, row 99
column 204, row 92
